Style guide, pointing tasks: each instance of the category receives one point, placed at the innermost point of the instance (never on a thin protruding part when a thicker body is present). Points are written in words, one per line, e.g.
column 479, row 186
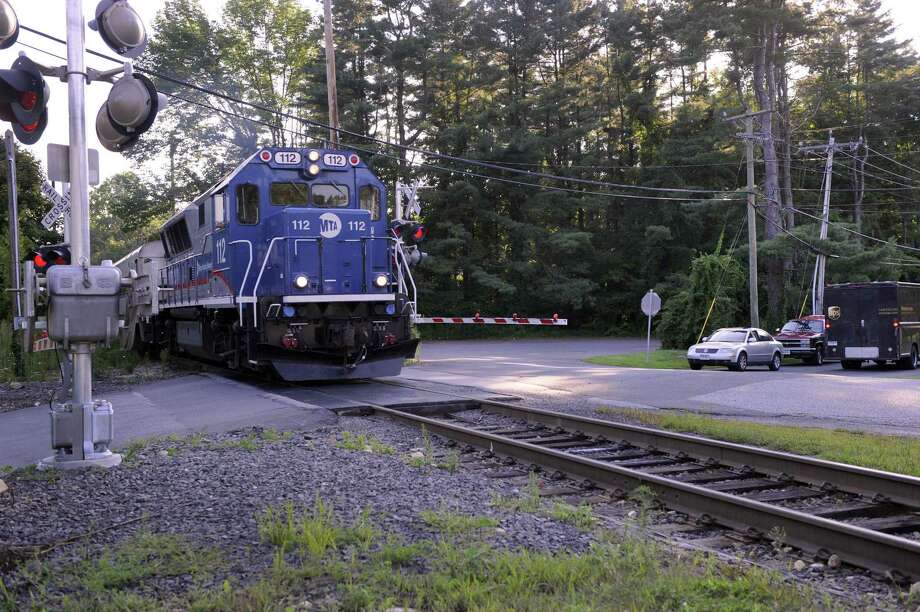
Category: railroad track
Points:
column 869, row 518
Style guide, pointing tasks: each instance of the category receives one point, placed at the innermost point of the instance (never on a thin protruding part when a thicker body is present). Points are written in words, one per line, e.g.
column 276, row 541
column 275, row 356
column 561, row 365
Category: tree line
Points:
column 625, row 92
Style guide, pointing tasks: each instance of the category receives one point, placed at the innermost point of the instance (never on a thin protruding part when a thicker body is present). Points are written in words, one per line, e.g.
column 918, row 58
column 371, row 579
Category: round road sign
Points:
column 651, row 303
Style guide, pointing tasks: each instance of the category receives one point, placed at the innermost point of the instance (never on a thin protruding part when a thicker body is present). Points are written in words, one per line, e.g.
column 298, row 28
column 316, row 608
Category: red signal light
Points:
column 39, row 261
column 419, row 234
column 28, row 100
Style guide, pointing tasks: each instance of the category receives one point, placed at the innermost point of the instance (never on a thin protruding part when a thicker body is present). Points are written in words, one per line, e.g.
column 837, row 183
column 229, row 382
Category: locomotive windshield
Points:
column 290, row 194
column 330, row 196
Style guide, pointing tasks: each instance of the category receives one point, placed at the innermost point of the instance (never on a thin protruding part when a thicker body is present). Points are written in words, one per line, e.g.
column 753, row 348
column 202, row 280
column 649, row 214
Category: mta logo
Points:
column 330, row 225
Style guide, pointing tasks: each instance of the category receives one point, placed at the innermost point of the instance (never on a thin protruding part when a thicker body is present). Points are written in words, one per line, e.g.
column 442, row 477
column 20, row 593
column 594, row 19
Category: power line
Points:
column 443, row 156
column 455, row 171
column 860, row 234
column 892, row 160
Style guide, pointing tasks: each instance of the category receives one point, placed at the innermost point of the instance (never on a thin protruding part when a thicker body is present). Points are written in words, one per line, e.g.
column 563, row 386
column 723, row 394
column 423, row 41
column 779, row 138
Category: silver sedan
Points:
column 737, row 348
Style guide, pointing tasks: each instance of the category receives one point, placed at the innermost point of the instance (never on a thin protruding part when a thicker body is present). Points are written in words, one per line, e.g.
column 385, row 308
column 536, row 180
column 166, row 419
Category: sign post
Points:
column 651, row 305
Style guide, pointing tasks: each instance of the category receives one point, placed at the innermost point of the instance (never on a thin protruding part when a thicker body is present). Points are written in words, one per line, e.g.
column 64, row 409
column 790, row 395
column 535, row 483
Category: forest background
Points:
column 625, row 92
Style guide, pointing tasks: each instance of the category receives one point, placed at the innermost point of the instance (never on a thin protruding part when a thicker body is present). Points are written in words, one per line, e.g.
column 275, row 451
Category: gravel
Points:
column 211, row 490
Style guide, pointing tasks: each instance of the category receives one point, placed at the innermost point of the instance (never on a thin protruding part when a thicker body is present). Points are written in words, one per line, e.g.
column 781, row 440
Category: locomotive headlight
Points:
column 313, row 156
column 381, row 280
column 301, row 281
column 313, row 169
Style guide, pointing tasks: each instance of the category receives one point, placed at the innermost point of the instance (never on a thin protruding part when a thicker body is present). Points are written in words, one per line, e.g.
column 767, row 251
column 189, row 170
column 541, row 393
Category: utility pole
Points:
column 751, row 223
column 331, row 96
column 748, row 136
column 817, row 282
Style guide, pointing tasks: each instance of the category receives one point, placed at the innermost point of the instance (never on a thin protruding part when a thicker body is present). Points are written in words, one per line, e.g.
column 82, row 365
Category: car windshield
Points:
column 728, row 335
column 803, row 326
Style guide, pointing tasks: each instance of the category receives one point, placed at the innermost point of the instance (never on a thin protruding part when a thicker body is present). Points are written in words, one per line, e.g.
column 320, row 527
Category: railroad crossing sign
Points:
column 60, row 205
column 651, row 303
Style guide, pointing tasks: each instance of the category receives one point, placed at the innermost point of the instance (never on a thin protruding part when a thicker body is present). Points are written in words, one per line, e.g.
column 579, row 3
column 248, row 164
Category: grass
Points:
column 455, row 525
column 44, row 365
column 364, row 442
column 313, row 532
column 581, row 516
column 528, row 501
column 662, row 359
column 453, row 572
column 119, row 579
column 889, row 453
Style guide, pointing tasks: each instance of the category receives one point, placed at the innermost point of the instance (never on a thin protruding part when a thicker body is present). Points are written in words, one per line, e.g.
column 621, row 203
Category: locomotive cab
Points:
column 289, row 264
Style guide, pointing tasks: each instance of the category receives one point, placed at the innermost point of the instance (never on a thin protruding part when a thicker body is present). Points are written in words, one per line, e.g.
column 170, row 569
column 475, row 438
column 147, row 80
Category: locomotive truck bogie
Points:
column 287, row 264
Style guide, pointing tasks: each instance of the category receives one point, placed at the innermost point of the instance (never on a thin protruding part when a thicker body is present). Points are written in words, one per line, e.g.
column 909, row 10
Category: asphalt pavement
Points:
column 872, row 399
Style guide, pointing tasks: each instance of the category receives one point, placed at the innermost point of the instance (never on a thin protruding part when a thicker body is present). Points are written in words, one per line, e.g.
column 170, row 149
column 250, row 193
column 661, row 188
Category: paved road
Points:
column 884, row 400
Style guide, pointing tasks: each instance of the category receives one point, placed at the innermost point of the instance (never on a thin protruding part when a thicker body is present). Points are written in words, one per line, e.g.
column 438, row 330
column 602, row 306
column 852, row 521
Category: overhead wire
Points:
column 462, row 172
column 420, row 151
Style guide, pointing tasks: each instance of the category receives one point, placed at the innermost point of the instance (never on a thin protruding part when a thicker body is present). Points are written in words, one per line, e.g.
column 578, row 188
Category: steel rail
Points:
column 877, row 551
column 866, row 482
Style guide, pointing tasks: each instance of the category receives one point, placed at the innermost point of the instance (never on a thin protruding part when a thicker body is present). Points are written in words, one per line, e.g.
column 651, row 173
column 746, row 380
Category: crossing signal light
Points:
column 130, row 110
column 411, row 232
column 120, row 27
column 24, row 98
column 45, row 257
column 9, row 25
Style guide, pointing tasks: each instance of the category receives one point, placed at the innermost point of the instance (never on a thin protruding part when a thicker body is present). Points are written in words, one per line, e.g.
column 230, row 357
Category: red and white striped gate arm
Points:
column 489, row 321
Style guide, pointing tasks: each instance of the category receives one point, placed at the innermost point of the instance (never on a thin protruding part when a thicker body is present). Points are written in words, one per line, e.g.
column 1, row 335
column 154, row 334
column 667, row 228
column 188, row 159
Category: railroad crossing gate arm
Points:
column 553, row 321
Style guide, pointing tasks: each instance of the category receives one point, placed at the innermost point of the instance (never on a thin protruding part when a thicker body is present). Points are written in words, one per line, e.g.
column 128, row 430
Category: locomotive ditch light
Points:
column 130, row 110
column 301, row 281
column 9, row 25
column 120, row 27
column 24, row 99
column 381, row 280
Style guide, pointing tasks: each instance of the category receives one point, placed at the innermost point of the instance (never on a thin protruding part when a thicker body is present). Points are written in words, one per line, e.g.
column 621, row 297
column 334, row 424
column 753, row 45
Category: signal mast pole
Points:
column 79, row 191
column 331, row 96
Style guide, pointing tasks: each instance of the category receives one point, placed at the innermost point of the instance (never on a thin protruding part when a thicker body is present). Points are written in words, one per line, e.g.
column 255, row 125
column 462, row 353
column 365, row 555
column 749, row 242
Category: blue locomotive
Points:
column 287, row 264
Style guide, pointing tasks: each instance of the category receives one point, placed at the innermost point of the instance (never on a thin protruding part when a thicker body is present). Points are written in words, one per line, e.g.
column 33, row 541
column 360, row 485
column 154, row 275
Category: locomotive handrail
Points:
column 245, row 275
column 255, row 303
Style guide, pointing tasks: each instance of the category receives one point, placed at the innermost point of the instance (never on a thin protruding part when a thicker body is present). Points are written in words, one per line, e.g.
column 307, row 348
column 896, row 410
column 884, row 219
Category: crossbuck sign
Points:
column 60, row 205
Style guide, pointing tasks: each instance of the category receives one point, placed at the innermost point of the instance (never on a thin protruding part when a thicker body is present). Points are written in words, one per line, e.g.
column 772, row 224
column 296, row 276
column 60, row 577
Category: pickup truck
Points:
column 804, row 338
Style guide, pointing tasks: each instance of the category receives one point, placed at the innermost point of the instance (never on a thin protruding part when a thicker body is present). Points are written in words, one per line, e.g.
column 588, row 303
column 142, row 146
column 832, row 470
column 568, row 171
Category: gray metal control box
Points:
column 83, row 303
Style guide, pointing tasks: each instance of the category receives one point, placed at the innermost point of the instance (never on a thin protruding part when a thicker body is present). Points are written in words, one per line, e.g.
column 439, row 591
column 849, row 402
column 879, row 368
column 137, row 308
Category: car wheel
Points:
column 849, row 364
column 695, row 365
column 912, row 362
column 776, row 363
column 740, row 364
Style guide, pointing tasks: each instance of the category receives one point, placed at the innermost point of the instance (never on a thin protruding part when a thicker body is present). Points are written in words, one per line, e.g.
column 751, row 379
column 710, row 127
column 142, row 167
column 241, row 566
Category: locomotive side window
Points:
column 289, row 194
column 220, row 210
column 330, row 196
column 201, row 217
column 370, row 200
column 247, row 204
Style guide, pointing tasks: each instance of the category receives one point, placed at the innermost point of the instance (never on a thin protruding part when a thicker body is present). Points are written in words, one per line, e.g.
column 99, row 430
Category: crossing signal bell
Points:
column 120, row 27
column 24, row 98
column 130, row 110
column 9, row 25
column 47, row 256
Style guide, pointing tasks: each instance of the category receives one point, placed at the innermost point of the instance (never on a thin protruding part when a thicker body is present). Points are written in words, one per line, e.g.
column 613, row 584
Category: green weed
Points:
column 528, row 501
column 455, row 525
column 581, row 516
column 313, row 532
column 364, row 442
